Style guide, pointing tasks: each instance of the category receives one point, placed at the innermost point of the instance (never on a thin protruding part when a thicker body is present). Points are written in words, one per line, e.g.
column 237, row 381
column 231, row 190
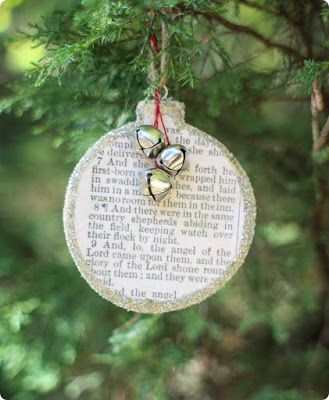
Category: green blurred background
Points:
column 257, row 339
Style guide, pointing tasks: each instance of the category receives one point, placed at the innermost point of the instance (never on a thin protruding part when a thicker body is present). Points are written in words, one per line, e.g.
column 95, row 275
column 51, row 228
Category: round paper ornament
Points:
column 150, row 256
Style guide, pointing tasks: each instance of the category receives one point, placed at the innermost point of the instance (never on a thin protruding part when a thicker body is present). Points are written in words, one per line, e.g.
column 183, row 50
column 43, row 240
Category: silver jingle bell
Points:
column 172, row 159
column 157, row 185
column 151, row 140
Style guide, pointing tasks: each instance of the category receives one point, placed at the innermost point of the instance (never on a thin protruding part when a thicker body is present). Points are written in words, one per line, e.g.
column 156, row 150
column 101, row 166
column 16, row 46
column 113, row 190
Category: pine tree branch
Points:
column 300, row 23
column 317, row 97
column 320, row 218
column 324, row 136
column 315, row 124
column 289, row 51
column 320, row 138
column 255, row 6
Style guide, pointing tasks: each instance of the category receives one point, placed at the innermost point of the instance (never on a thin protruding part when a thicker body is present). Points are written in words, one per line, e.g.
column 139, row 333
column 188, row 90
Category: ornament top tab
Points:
column 157, row 256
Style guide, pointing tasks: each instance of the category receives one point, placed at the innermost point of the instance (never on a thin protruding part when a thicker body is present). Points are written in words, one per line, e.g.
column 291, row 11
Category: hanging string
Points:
column 158, row 115
column 153, row 73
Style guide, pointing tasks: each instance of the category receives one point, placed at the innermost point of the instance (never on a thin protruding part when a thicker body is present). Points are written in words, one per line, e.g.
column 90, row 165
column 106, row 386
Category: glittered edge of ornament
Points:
column 151, row 306
column 169, row 107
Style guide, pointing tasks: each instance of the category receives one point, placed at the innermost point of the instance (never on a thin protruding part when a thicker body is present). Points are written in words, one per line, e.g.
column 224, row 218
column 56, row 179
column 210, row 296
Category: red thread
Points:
column 158, row 114
column 154, row 43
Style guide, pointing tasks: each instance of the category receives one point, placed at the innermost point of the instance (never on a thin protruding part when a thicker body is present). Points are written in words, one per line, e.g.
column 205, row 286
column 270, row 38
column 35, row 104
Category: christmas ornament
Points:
column 159, row 256
column 179, row 239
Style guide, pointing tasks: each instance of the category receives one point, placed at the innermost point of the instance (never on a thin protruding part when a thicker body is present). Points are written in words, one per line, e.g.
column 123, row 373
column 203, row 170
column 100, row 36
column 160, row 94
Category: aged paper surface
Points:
column 158, row 252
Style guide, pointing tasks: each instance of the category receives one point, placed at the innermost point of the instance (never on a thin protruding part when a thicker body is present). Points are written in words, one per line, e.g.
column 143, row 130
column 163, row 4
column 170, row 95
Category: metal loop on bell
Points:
column 165, row 94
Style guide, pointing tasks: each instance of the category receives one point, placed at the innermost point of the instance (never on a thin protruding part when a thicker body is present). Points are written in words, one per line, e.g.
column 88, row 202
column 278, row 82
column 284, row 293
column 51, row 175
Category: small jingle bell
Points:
column 151, row 140
column 172, row 159
column 157, row 185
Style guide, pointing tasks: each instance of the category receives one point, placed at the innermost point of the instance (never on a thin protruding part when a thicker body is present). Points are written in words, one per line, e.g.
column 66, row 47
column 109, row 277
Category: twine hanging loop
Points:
column 154, row 74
